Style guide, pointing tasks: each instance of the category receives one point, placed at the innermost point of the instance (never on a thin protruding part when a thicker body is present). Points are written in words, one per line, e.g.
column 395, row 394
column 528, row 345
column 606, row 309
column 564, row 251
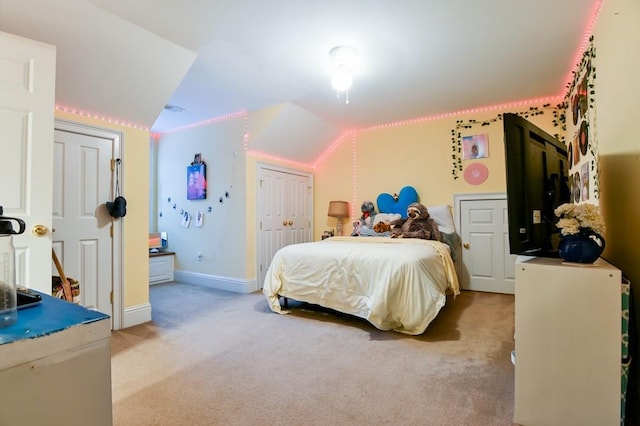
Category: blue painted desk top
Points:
column 49, row 316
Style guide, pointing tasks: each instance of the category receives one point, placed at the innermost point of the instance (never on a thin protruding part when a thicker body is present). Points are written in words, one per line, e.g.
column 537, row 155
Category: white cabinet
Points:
column 161, row 267
column 567, row 343
column 55, row 366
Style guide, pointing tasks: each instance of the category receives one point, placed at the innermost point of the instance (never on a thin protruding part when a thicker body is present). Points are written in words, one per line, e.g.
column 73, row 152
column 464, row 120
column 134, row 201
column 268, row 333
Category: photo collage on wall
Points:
column 580, row 141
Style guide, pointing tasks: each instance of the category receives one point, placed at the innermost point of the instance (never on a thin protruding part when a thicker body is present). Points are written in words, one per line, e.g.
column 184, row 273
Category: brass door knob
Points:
column 39, row 230
column 466, row 245
column 284, row 223
column 290, row 222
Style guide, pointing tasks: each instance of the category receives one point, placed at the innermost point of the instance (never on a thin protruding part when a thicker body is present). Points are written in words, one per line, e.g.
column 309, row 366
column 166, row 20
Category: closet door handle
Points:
column 466, row 245
column 290, row 222
column 284, row 223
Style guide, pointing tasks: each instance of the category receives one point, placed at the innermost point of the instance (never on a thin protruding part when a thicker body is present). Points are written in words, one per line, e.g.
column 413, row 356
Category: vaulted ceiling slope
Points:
column 126, row 59
column 106, row 65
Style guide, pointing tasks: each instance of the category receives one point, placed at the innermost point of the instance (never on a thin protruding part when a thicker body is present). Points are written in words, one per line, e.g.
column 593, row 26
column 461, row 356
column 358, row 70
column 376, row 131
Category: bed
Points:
column 395, row 284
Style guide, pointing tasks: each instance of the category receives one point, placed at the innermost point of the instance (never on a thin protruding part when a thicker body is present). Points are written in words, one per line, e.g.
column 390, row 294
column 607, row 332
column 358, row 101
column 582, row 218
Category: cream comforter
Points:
column 396, row 284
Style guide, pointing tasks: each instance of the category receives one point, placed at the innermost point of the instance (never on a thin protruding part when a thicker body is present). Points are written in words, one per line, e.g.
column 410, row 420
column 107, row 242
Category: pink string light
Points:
column 94, row 116
column 354, row 132
column 245, row 135
column 208, row 121
column 583, row 46
column 265, row 156
column 332, row 148
column 354, row 148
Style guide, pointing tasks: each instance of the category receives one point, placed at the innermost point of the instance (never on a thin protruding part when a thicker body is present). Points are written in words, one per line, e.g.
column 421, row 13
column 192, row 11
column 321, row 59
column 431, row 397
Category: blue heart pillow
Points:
column 387, row 203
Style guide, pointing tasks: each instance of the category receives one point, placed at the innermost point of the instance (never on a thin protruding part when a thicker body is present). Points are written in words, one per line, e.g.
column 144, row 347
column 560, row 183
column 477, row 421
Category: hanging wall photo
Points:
column 476, row 146
column 197, row 182
column 584, row 182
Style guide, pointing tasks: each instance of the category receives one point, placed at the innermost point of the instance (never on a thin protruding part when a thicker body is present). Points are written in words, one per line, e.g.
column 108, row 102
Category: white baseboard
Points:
column 135, row 315
column 236, row 285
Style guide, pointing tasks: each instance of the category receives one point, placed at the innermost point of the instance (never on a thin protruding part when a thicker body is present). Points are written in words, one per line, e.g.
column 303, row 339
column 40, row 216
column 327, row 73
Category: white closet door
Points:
column 284, row 206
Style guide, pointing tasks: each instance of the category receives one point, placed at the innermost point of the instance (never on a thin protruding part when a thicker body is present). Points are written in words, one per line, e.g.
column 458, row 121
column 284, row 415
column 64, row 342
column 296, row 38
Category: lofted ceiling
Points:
column 127, row 59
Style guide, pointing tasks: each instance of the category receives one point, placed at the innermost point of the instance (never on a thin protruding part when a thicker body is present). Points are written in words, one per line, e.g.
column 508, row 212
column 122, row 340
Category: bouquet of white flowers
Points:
column 577, row 218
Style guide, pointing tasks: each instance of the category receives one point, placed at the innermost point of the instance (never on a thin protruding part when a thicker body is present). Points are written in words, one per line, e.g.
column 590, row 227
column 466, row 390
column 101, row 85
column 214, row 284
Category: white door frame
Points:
column 259, row 167
column 117, row 261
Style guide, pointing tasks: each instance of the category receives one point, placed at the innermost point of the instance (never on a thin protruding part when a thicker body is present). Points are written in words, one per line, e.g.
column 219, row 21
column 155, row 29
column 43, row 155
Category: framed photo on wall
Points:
column 476, row 146
column 197, row 182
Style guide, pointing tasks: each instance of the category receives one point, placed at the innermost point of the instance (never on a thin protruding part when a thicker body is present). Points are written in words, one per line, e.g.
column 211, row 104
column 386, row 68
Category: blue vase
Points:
column 584, row 247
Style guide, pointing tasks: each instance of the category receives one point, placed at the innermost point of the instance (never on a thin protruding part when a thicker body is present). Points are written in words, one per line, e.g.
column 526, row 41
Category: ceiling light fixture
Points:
column 343, row 59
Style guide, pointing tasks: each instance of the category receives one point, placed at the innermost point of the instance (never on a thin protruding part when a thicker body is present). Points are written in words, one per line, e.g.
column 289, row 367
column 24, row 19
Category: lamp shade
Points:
column 339, row 209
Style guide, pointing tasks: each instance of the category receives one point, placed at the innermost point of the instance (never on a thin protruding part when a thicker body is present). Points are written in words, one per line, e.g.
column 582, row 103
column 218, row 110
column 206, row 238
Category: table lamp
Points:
column 339, row 210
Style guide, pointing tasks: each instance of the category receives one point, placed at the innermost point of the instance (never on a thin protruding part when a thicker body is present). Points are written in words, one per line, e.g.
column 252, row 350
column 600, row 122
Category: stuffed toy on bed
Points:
column 381, row 227
column 366, row 220
column 419, row 224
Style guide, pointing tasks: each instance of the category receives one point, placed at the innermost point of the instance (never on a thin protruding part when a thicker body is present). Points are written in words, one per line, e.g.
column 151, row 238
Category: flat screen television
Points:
column 537, row 169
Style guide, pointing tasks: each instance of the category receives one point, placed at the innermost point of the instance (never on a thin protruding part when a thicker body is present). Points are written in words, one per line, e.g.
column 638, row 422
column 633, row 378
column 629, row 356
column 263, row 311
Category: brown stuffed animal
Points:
column 381, row 227
column 418, row 225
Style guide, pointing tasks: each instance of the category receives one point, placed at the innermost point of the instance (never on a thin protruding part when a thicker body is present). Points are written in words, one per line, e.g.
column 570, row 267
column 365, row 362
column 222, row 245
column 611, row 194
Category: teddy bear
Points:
column 381, row 227
column 417, row 225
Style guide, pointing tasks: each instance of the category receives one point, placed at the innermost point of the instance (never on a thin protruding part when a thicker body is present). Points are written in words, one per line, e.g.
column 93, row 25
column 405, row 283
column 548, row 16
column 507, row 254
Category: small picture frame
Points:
column 475, row 146
column 186, row 219
column 199, row 219
column 197, row 159
column 327, row 234
column 584, row 181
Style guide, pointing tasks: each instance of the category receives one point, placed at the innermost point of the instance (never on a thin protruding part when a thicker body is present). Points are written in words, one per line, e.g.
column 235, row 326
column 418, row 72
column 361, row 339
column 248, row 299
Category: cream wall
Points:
column 257, row 122
column 135, row 188
column 617, row 61
column 228, row 238
column 617, row 92
column 222, row 239
column 419, row 154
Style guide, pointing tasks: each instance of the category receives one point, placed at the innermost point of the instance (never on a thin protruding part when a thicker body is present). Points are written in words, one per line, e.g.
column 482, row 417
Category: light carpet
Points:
column 211, row 357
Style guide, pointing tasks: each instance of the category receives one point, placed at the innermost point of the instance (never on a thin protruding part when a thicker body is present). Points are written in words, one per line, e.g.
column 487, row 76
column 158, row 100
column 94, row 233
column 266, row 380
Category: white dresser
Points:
column 567, row 343
column 55, row 366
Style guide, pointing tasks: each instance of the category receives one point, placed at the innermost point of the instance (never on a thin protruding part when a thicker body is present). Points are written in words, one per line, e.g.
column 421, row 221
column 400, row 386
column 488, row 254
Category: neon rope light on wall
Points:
column 110, row 120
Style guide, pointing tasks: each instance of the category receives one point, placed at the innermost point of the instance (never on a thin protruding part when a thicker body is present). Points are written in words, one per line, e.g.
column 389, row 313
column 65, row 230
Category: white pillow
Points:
column 386, row 217
column 442, row 215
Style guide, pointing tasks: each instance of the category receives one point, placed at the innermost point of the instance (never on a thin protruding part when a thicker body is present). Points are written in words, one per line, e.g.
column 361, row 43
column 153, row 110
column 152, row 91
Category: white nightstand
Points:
column 161, row 267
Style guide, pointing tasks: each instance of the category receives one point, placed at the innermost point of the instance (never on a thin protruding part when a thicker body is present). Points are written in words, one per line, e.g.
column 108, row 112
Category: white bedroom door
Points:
column 486, row 262
column 27, row 96
column 82, row 226
column 284, row 206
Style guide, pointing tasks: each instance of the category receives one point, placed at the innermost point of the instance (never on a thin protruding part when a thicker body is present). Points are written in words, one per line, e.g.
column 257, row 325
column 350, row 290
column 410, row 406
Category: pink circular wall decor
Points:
column 476, row 173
